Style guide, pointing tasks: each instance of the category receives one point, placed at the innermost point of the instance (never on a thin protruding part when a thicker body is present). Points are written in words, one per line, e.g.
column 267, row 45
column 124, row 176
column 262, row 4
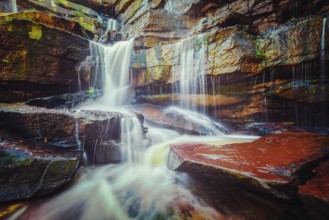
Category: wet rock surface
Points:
column 29, row 168
column 314, row 193
column 38, row 56
column 65, row 128
column 275, row 164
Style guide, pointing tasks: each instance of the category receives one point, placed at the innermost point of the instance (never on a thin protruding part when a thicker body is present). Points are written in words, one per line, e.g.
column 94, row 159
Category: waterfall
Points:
column 323, row 37
column 190, row 71
column 112, row 25
column 13, row 6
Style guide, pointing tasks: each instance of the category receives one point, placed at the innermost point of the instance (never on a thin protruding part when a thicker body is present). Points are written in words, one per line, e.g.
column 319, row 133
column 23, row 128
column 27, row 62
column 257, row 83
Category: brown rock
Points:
column 274, row 164
column 315, row 192
column 66, row 128
column 29, row 168
column 36, row 59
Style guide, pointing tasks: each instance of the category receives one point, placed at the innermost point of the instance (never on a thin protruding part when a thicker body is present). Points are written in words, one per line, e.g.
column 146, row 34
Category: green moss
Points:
column 36, row 32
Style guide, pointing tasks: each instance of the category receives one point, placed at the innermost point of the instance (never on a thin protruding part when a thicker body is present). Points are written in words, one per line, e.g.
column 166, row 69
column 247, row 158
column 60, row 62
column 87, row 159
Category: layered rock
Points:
column 275, row 164
column 65, row 128
column 29, row 168
column 37, row 59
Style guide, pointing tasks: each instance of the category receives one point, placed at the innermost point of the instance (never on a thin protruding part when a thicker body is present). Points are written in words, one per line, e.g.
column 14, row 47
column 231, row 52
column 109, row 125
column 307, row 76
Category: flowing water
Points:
column 190, row 71
column 112, row 25
column 13, row 6
column 141, row 186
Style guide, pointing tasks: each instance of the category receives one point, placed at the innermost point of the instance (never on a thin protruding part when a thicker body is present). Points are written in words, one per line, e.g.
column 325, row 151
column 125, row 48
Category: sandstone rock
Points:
column 183, row 121
column 301, row 91
column 28, row 169
column 36, row 59
column 274, row 164
column 67, row 101
column 315, row 192
column 292, row 43
column 85, row 17
column 65, row 128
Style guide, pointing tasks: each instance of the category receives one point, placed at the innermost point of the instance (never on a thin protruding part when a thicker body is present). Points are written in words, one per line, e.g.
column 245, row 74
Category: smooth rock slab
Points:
column 315, row 193
column 274, row 164
column 66, row 128
column 29, row 168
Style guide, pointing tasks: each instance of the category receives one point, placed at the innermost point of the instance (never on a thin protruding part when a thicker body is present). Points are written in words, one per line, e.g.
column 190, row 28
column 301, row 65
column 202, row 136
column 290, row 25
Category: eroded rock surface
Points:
column 28, row 168
column 274, row 164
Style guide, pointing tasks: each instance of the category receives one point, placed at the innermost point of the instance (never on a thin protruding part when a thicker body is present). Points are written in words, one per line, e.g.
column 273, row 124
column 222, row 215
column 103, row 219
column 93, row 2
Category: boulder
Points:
column 67, row 101
column 65, row 128
column 315, row 193
column 301, row 91
column 37, row 58
column 272, row 165
column 181, row 120
column 28, row 168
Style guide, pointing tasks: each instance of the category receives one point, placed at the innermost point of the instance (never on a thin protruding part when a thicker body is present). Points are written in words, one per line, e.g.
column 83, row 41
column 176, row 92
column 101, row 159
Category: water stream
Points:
column 13, row 6
column 141, row 186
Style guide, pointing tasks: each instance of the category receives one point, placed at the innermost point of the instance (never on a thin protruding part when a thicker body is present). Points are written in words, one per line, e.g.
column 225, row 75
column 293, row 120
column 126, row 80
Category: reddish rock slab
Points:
column 315, row 192
column 274, row 164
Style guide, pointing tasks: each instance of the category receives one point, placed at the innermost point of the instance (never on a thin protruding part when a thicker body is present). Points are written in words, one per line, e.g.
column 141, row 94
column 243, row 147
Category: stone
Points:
column 66, row 101
column 37, row 59
column 180, row 120
column 272, row 165
column 29, row 168
column 301, row 91
column 64, row 128
column 315, row 193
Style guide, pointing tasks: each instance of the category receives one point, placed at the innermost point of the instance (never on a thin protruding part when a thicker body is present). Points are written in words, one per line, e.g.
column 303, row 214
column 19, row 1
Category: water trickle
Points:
column 13, row 6
column 323, row 37
column 112, row 25
column 190, row 71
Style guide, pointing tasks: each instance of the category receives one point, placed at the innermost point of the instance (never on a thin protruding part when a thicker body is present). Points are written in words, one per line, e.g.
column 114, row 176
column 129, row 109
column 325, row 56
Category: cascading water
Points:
column 112, row 25
column 323, row 37
column 13, row 6
column 190, row 71
column 141, row 187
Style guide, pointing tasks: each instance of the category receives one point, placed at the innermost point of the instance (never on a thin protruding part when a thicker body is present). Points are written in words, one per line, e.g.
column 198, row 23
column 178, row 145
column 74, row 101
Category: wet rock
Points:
column 106, row 153
column 268, row 128
column 181, row 120
column 28, row 168
column 37, row 58
column 85, row 17
column 274, row 165
column 65, row 128
column 315, row 192
column 301, row 91
column 66, row 101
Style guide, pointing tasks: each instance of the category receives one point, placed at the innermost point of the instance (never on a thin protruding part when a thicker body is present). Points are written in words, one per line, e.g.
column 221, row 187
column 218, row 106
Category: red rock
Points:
column 315, row 193
column 275, row 164
column 318, row 186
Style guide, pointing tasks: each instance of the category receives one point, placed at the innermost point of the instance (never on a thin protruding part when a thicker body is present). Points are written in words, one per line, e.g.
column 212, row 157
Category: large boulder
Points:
column 314, row 194
column 274, row 165
column 28, row 168
column 65, row 128
column 39, row 57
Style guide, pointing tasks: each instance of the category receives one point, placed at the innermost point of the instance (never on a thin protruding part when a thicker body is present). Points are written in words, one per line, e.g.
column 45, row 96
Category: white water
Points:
column 323, row 37
column 190, row 71
column 112, row 25
column 13, row 6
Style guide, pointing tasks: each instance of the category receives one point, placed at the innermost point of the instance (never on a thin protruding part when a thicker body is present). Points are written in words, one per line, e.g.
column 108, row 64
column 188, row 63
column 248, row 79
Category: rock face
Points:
column 314, row 194
column 28, row 169
column 66, row 128
column 275, row 164
column 38, row 56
